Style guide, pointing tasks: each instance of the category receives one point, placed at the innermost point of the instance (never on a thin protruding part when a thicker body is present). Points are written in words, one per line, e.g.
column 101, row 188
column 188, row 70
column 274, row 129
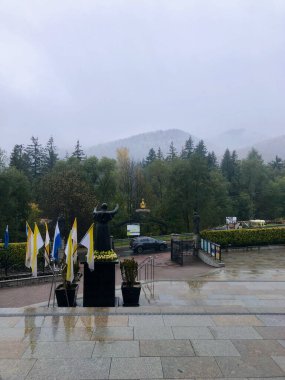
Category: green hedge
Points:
column 246, row 237
column 14, row 256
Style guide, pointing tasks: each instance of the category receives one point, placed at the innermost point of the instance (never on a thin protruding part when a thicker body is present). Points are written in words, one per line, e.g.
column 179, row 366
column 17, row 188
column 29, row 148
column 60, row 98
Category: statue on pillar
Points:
column 196, row 223
column 196, row 230
column 143, row 204
column 102, row 234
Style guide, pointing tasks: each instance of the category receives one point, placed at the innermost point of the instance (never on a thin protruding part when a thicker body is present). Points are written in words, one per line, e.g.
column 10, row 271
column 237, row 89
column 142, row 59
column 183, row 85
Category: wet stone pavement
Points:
column 226, row 323
column 266, row 264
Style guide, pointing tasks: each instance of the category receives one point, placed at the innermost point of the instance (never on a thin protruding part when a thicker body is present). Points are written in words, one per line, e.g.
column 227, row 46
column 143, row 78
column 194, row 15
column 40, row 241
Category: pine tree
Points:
column 172, row 154
column 150, row 157
column 3, row 159
column 231, row 171
column 160, row 155
column 226, row 165
column 201, row 149
column 277, row 164
column 212, row 160
column 35, row 153
column 50, row 155
column 187, row 149
column 78, row 152
column 19, row 159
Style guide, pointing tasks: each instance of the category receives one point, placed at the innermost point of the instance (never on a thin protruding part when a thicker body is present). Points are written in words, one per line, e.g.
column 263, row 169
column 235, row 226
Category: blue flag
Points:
column 6, row 238
column 56, row 243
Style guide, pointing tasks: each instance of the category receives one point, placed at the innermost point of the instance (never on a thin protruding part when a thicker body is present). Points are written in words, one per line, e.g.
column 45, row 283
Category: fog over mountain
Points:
column 240, row 140
column 234, row 139
column 269, row 148
column 139, row 145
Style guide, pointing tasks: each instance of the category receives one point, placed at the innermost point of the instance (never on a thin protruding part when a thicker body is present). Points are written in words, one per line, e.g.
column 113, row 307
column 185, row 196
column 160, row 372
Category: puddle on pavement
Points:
column 201, row 293
column 244, row 268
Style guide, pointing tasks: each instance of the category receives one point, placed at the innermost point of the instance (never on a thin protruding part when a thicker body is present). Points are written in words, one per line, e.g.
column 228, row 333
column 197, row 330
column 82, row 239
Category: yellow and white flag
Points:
column 29, row 248
column 88, row 242
column 47, row 247
column 74, row 240
column 69, row 258
column 37, row 244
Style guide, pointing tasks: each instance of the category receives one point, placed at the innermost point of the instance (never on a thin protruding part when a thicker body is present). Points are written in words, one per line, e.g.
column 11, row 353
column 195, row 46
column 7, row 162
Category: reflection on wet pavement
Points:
column 242, row 295
column 224, row 323
column 250, row 280
column 267, row 264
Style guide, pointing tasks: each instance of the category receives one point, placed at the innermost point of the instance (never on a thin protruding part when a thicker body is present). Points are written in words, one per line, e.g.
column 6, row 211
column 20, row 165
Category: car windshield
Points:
column 144, row 239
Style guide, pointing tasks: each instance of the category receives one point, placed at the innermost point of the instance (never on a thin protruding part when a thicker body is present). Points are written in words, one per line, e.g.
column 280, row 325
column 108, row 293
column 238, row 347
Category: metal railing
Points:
column 146, row 270
column 146, row 274
column 213, row 249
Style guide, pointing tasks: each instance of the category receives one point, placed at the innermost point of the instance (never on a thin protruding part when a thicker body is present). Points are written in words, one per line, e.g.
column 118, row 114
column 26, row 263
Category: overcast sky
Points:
column 102, row 70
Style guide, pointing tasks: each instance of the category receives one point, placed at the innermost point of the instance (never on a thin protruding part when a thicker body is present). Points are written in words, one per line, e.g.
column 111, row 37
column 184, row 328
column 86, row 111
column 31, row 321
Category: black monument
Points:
column 102, row 232
column 99, row 284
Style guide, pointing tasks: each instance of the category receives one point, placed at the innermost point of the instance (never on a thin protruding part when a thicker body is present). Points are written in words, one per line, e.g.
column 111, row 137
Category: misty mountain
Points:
column 233, row 139
column 139, row 145
column 269, row 148
column 240, row 140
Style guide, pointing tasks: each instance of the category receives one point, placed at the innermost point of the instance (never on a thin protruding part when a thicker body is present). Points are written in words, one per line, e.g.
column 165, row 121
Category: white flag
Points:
column 88, row 242
column 37, row 244
column 69, row 259
column 29, row 248
column 47, row 247
column 74, row 240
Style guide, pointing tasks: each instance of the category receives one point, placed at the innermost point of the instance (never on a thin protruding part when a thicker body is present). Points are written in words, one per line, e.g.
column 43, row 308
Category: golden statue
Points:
column 143, row 204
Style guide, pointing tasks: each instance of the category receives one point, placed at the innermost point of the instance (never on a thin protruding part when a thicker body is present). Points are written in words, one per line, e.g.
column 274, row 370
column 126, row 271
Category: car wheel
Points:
column 161, row 247
column 139, row 249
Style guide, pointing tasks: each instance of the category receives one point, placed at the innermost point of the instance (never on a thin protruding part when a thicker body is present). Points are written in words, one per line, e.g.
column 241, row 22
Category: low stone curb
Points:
column 207, row 259
column 27, row 281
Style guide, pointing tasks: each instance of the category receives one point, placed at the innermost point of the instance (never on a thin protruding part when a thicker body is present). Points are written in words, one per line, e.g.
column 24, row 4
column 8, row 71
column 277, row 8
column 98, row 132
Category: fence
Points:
column 146, row 274
column 181, row 250
column 212, row 249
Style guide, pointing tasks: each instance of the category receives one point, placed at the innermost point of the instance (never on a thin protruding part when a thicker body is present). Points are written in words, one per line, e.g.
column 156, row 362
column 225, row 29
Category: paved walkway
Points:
column 121, row 344
column 217, row 324
column 164, row 270
column 264, row 265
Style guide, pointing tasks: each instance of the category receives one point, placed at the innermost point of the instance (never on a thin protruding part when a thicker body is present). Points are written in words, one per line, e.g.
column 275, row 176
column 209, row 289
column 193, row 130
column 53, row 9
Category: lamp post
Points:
column 196, row 230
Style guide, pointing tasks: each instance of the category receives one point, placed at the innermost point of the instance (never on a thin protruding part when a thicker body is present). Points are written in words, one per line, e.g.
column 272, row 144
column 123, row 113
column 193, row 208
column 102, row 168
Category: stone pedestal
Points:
column 99, row 285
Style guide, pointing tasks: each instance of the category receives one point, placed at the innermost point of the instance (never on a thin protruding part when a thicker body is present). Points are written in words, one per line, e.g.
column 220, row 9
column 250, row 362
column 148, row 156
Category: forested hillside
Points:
column 140, row 144
column 36, row 185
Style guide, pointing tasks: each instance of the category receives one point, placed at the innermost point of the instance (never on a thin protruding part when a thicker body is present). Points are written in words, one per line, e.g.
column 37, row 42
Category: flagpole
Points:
column 53, row 275
column 67, row 300
column 53, row 284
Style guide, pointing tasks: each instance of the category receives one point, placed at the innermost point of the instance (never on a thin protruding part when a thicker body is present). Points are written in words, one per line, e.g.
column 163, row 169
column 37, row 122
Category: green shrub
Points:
column 14, row 256
column 245, row 237
column 129, row 271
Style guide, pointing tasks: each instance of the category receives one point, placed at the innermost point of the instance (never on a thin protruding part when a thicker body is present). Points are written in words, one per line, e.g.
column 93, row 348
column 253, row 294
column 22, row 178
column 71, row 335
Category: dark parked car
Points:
column 144, row 243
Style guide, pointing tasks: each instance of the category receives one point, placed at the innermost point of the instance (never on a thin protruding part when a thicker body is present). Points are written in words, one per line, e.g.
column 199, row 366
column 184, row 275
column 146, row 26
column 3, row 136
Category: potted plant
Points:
column 66, row 293
column 130, row 287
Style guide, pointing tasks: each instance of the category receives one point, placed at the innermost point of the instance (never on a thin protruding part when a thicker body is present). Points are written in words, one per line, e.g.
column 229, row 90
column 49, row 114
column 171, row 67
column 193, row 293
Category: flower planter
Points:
column 66, row 297
column 131, row 294
column 99, row 285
